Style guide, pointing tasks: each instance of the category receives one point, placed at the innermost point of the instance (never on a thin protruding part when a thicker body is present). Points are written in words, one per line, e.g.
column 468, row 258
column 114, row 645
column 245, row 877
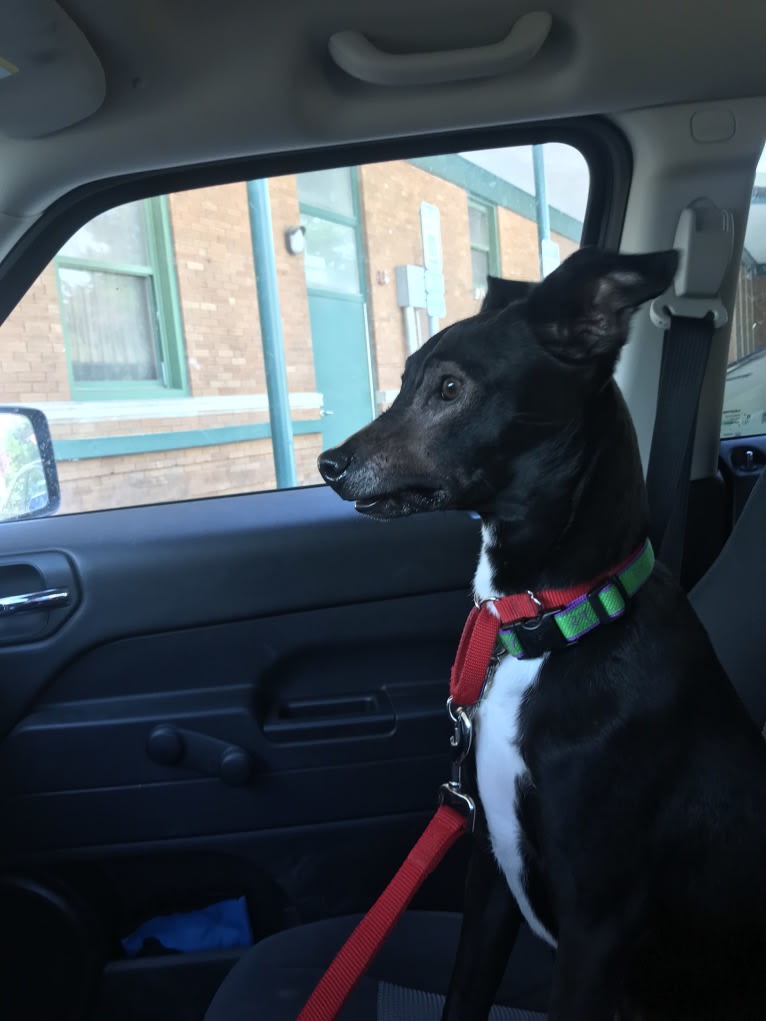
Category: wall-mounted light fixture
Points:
column 295, row 240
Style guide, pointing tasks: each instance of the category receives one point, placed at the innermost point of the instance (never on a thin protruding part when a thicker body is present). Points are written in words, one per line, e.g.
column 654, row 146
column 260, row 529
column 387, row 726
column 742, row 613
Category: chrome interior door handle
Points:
column 28, row 602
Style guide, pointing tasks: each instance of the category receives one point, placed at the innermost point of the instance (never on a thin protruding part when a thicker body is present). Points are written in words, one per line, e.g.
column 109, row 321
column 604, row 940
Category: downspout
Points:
column 541, row 201
column 271, row 333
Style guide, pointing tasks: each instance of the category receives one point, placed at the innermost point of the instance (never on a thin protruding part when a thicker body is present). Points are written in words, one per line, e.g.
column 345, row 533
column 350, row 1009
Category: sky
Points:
column 566, row 173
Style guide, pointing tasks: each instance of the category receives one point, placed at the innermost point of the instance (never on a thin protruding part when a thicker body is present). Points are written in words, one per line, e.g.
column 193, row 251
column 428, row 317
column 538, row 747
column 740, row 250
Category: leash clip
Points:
column 462, row 738
column 451, row 795
column 462, row 731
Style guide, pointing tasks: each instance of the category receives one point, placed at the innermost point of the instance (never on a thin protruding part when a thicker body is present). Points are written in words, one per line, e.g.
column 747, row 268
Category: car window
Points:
column 170, row 337
column 744, row 404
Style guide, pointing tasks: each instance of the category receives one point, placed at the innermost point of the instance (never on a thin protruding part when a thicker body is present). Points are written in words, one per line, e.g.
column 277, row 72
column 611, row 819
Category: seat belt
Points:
column 690, row 314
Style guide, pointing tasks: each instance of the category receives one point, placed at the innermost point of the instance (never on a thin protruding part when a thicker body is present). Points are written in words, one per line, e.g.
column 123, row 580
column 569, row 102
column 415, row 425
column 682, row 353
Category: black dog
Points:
column 622, row 783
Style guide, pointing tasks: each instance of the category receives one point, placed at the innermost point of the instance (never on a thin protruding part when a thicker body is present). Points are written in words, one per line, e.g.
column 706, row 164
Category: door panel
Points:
column 281, row 626
column 339, row 341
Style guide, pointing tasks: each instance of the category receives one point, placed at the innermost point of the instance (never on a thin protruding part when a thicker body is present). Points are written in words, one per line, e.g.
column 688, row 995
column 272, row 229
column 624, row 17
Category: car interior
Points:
column 222, row 230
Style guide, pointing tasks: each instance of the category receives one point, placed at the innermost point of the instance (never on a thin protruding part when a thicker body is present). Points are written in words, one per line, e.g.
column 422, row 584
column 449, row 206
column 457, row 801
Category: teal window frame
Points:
column 160, row 269
column 492, row 250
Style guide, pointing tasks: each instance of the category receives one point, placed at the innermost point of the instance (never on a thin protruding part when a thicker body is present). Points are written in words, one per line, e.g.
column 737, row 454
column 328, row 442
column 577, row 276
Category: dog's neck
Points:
column 578, row 522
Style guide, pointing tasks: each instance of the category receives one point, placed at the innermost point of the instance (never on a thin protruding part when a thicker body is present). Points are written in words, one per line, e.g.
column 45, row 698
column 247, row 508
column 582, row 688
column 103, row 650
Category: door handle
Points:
column 332, row 717
column 29, row 602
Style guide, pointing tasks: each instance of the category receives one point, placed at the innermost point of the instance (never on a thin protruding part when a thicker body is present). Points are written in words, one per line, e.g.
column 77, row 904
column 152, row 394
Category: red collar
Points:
column 479, row 637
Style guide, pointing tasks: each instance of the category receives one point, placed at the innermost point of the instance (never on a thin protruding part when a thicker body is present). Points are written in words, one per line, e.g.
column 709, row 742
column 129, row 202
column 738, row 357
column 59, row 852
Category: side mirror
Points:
column 29, row 484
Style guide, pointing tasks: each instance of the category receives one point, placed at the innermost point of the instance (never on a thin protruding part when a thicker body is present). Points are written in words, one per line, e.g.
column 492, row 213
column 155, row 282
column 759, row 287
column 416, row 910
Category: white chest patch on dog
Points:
column 500, row 768
column 499, row 765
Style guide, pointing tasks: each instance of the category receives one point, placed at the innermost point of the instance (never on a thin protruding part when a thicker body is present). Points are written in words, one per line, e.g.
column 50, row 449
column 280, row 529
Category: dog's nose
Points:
column 332, row 464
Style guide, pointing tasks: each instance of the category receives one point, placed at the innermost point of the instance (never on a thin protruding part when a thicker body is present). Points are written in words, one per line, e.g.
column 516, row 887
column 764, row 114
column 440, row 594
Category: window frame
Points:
column 160, row 271
column 603, row 146
column 492, row 251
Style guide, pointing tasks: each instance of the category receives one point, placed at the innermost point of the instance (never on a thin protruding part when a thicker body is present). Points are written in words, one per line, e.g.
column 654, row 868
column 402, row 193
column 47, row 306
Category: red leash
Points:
column 454, row 817
column 356, row 954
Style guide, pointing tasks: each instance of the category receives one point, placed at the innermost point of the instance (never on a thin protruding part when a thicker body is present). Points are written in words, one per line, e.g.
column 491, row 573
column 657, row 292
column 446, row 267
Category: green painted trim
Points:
column 319, row 292
column 327, row 214
column 169, row 300
column 152, row 443
column 128, row 390
column 97, row 266
column 487, row 186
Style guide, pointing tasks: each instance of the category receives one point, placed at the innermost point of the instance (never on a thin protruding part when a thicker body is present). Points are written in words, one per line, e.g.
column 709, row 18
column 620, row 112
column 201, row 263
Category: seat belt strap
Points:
column 690, row 313
column 685, row 353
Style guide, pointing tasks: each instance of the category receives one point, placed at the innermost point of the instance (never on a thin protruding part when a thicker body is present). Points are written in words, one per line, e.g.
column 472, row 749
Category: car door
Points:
column 243, row 692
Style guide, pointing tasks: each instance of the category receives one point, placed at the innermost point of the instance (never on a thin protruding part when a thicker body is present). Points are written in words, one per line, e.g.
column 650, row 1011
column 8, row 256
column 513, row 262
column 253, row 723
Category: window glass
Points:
column 145, row 343
column 744, row 404
column 327, row 189
column 118, row 236
column 331, row 255
column 110, row 324
column 478, row 226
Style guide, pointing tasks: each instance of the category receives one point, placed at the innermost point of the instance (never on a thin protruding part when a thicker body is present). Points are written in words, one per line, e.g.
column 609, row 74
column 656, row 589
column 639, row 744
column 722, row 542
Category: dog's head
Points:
column 494, row 401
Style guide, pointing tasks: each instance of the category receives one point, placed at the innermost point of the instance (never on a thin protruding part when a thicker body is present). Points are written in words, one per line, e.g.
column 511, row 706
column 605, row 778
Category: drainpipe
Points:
column 271, row 333
column 541, row 202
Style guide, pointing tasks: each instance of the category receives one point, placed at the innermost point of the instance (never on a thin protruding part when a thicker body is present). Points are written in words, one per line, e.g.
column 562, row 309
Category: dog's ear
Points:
column 581, row 312
column 503, row 292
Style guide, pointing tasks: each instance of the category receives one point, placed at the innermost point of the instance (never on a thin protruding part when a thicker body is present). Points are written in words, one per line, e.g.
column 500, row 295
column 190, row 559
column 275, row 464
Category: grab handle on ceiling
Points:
column 360, row 58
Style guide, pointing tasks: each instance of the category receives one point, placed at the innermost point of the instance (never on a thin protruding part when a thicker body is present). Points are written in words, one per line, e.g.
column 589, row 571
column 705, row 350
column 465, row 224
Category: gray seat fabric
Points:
column 274, row 979
column 729, row 601
column 396, row 1003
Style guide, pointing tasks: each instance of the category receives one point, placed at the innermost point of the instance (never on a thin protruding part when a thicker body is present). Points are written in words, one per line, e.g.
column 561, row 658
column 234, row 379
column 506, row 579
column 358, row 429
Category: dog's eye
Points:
column 450, row 388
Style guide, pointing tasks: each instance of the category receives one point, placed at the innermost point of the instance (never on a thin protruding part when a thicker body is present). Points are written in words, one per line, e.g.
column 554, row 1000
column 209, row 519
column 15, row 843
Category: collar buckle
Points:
column 531, row 638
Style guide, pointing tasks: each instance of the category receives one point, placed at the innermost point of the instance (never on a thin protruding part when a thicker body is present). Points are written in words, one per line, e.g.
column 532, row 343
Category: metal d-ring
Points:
column 534, row 622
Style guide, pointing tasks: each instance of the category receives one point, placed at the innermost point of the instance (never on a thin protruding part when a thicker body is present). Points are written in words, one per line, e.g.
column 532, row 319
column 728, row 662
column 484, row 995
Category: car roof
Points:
column 133, row 85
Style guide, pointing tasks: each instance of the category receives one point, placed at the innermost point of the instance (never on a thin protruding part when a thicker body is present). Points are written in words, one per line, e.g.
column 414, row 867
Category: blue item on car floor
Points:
column 216, row 927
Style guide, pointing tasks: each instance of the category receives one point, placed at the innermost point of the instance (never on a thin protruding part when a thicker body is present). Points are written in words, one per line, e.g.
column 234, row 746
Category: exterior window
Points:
column 119, row 307
column 328, row 215
column 744, row 403
column 483, row 235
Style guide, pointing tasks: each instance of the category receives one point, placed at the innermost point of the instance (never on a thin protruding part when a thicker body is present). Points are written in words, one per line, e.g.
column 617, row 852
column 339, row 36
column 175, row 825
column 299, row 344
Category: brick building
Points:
column 142, row 341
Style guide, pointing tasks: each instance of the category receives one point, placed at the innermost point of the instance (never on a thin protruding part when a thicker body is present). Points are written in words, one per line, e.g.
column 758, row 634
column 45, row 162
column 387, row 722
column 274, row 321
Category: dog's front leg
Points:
column 491, row 920
column 588, row 974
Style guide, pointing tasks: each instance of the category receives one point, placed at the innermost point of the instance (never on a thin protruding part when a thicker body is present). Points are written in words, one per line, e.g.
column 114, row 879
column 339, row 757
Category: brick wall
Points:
column 190, row 474
column 216, row 284
column 32, row 355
